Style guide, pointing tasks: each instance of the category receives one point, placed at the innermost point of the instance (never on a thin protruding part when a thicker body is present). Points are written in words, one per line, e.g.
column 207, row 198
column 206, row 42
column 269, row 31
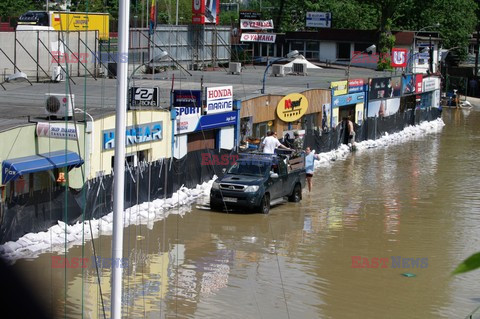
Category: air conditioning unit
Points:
column 59, row 105
column 300, row 68
column 58, row 74
column 278, row 70
column 235, row 67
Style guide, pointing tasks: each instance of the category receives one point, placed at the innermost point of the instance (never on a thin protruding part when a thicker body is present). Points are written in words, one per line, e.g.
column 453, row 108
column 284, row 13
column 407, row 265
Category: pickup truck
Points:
column 256, row 181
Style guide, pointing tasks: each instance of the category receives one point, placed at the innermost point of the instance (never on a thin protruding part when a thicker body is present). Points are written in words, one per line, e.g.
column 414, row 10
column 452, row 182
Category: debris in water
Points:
column 407, row 274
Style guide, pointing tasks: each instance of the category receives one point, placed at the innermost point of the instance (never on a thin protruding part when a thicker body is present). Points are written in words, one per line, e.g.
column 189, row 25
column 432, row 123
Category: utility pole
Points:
column 430, row 67
column 476, row 52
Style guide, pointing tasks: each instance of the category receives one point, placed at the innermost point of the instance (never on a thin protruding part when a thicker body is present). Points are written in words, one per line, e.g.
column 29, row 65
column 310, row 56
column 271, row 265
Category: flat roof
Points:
column 98, row 97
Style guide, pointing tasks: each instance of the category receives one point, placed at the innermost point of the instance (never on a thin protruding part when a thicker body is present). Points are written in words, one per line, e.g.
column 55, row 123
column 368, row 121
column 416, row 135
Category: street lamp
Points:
column 155, row 59
column 16, row 77
column 436, row 25
column 290, row 55
column 370, row 49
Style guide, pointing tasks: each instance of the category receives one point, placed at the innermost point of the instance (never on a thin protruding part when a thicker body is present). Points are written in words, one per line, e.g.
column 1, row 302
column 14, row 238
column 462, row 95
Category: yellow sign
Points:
column 270, row 123
column 80, row 21
column 339, row 87
column 292, row 107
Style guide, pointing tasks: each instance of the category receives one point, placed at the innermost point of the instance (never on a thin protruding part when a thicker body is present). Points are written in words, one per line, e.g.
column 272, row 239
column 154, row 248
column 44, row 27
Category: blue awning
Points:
column 14, row 168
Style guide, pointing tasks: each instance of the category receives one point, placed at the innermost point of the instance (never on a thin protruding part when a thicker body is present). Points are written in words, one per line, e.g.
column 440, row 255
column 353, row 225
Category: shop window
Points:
column 297, row 45
column 260, row 129
column 267, row 49
column 312, row 50
column 343, row 51
column 309, row 121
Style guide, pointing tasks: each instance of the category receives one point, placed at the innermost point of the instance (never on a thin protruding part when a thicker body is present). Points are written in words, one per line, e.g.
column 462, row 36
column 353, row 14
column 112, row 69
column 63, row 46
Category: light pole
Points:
column 155, row 59
column 370, row 49
column 290, row 55
column 436, row 25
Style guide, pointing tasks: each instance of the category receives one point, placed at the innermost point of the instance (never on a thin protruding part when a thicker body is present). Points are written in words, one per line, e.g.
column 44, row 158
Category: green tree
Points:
column 15, row 8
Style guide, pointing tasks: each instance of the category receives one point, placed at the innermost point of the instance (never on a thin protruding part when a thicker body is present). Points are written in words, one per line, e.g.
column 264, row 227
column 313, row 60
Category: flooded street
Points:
column 418, row 199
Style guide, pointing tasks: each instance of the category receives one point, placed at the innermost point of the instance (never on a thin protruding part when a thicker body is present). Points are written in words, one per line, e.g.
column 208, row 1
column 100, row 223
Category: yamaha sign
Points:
column 144, row 97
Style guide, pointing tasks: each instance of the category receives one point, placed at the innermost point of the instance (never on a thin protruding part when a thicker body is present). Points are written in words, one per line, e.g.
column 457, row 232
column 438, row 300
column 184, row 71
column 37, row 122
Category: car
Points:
column 256, row 181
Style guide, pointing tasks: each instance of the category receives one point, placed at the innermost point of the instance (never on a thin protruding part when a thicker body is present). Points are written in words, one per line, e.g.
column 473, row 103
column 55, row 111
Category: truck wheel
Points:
column 296, row 194
column 265, row 205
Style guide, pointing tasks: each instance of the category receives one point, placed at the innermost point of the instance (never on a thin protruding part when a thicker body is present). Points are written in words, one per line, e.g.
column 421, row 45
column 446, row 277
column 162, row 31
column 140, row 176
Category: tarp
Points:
column 14, row 168
column 301, row 59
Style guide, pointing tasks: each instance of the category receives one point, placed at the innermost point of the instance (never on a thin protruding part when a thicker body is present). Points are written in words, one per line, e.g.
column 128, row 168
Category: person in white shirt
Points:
column 270, row 143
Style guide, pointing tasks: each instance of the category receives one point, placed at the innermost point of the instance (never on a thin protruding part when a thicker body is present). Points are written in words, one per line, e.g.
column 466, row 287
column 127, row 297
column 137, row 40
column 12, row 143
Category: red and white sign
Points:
column 418, row 83
column 56, row 130
column 205, row 11
column 219, row 99
column 256, row 24
column 399, row 58
column 258, row 37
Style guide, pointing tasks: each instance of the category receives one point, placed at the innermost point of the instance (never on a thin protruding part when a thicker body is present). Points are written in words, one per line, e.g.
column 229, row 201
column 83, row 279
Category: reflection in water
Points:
column 419, row 199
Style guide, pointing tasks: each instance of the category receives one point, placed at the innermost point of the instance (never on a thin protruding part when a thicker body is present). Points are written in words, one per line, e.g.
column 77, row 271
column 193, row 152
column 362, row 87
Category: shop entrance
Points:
column 345, row 111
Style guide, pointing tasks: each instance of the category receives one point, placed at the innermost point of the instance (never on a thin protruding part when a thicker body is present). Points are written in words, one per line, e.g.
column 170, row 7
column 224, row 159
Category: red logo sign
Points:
column 399, row 58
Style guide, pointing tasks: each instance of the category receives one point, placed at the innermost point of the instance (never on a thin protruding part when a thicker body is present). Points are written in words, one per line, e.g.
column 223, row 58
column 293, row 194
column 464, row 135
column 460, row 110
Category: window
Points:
column 360, row 47
column 312, row 50
column 260, row 129
column 343, row 51
column 297, row 45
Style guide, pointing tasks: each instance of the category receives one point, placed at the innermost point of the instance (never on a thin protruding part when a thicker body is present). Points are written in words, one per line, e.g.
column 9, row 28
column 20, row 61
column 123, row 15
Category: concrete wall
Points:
column 328, row 51
column 36, row 47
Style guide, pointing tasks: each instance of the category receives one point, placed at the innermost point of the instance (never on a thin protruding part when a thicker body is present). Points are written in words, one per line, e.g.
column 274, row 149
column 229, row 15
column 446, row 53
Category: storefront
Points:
column 148, row 136
column 211, row 127
column 348, row 100
column 430, row 93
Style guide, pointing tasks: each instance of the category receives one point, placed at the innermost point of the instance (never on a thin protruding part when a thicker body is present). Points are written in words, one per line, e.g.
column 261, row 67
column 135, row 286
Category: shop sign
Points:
column 339, row 87
column 380, row 88
column 418, row 82
column 208, row 122
column 292, row 107
column 137, row 134
column 429, row 84
column 258, row 37
column 256, row 24
column 219, row 99
column 56, row 130
column 187, row 119
column 319, row 19
column 250, row 15
column 399, row 58
column 355, row 85
column 187, row 98
column 348, row 99
column 144, row 97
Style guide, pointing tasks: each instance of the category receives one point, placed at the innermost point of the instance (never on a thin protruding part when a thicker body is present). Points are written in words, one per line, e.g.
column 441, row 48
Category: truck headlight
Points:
column 251, row 189
column 216, row 185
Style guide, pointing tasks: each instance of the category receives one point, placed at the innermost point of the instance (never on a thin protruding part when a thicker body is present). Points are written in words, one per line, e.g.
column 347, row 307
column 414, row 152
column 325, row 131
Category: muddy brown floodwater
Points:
column 418, row 201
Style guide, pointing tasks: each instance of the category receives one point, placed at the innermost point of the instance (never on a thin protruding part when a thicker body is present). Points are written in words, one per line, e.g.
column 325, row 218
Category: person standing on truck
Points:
column 310, row 166
column 297, row 143
column 270, row 143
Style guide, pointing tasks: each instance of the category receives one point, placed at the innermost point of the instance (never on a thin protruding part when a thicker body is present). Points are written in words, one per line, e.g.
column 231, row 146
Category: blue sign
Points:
column 348, row 99
column 135, row 135
column 191, row 98
column 217, row 120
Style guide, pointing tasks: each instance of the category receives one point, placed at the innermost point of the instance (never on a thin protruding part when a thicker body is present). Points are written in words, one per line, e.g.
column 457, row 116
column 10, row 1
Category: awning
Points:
column 14, row 168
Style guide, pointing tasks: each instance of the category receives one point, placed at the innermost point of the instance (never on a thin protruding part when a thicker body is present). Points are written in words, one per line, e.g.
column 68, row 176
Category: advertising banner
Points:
column 187, row 98
column 396, row 85
column 399, row 58
column 418, row 83
column 258, row 37
column 355, row 85
column 319, row 19
column 56, row 130
column 136, row 134
column 292, row 107
column 256, row 24
column 379, row 88
column 219, row 99
column 144, row 97
column 205, row 11
column 348, row 99
column 339, row 87
column 429, row 84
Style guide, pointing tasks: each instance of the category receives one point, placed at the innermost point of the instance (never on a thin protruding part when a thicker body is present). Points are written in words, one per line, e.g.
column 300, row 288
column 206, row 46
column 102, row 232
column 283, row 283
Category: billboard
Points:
column 339, row 87
column 319, row 19
column 380, row 88
column 205, row 11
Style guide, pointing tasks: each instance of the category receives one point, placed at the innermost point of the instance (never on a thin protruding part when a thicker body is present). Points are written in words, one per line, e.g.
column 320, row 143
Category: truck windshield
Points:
column 250, row 168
